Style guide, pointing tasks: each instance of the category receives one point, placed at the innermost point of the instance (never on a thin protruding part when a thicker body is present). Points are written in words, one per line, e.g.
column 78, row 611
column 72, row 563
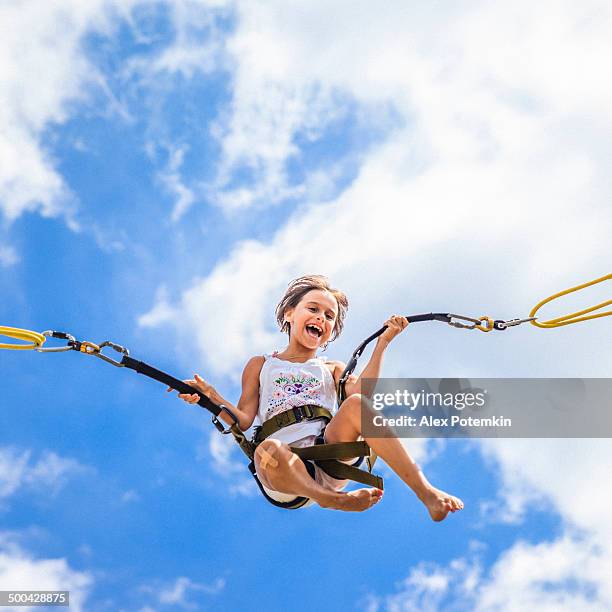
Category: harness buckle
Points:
column 308, row 411
column 298, row 413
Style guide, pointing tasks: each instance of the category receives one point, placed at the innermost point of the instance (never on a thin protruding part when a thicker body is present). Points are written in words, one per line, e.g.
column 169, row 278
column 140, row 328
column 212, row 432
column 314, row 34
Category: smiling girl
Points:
column 312, row 314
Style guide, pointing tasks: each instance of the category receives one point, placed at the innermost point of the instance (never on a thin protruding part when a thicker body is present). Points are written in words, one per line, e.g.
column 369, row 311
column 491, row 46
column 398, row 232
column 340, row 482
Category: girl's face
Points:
column 313, row 319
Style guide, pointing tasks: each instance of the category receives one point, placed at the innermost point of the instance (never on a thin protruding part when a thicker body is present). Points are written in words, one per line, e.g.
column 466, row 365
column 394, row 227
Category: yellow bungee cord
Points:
column 32, row 339
column 574, row 317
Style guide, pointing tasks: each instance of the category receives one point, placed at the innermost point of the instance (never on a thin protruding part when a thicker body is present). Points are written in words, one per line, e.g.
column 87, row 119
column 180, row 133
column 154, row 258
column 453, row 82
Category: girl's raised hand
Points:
column 396, row 324
column 198, row 383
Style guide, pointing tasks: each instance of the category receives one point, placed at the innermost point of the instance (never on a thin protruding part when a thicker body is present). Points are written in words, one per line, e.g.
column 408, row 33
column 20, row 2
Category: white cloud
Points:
column 221, row 448
column 45, row 75
column 49, row 474
column 13, row 465
column 8, row 256
column 228, row 462
column 177, row 593
column 162, row 312
column 19, row 570
column 258, row 138
column 567, row 574
column 294, row 72
column 171, row 179
column 197, row 45
column 130, row 496
column 559, row 471
column 571, row 572
column 561, row 576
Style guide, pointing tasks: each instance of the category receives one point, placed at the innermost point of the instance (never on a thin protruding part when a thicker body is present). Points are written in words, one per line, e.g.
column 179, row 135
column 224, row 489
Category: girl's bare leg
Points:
column 281, row 470
column 346, row 427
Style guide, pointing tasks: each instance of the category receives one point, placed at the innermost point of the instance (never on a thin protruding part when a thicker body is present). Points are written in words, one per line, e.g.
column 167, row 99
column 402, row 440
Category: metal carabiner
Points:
column 58, row 349
column 116, row 347
column 217, row 423
column 512, row 323
column 475, row 322
column 484, row 324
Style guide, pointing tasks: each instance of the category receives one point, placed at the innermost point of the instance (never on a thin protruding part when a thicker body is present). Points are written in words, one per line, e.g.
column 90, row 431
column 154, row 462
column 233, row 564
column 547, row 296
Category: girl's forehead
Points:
column 323, row 298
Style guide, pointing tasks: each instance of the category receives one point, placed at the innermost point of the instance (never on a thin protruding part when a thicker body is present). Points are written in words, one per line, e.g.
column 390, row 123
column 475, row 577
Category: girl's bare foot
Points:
column 354, row 501
column 440, row 503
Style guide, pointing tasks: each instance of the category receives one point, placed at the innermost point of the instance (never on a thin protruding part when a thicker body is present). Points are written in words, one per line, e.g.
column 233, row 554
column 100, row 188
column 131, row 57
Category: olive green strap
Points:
column 326, row 457
column 340, row 450
column 342, row 471
column 248, row 447
column 309, row 412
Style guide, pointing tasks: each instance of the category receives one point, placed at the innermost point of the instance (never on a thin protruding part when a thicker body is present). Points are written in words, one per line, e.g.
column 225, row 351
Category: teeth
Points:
column 317, row 328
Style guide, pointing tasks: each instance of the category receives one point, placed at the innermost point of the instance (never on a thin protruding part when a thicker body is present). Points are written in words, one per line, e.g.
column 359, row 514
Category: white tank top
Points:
column 284, row 385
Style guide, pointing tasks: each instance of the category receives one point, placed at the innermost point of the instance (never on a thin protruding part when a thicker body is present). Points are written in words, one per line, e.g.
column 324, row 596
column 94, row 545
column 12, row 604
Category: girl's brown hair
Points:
column 298, row 288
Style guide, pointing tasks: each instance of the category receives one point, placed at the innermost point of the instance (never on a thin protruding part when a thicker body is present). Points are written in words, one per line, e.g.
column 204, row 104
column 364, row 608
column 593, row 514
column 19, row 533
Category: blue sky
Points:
column 168, row 167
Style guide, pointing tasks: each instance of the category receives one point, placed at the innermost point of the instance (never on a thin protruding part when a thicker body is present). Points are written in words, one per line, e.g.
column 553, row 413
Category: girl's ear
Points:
column 288, row 314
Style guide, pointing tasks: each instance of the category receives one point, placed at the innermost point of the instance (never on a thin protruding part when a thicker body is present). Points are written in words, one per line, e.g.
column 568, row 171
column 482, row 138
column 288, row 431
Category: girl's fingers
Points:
column 190, row 398
column 397, row 321
column 198, row 382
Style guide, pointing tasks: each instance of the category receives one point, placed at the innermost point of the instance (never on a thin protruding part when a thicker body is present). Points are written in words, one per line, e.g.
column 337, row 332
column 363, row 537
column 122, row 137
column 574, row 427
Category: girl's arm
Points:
column 395, row 325
column 246, row 410
column 249, row 399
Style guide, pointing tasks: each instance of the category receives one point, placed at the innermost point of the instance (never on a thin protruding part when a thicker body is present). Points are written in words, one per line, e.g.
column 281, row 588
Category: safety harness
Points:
column 327, row 456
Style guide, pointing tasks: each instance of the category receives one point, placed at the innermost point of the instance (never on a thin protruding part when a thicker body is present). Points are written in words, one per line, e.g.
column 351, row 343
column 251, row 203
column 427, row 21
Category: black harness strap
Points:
column 298, row 502
column 445, row 317
column 175, row 383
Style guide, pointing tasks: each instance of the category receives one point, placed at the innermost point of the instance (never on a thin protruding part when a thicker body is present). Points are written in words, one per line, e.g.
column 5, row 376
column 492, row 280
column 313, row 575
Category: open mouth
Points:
column 314, row 331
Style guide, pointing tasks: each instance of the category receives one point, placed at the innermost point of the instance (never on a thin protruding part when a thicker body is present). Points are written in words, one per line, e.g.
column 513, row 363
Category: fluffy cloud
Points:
column 50, row 471
column 559, row 471
column 565, row 575
column 177, row 593
column 8, row 256
column 43, row 72
column 19, row 570
column 568, row 573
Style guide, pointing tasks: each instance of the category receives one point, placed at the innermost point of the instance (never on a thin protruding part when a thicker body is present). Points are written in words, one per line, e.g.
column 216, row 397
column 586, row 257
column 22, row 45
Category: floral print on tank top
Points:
column 293, row 389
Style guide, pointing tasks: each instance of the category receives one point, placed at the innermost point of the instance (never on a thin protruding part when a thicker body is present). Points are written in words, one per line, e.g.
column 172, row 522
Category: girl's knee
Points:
column 356, row 401
column 357, row 406
column 353, row 400
column 270, row 454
